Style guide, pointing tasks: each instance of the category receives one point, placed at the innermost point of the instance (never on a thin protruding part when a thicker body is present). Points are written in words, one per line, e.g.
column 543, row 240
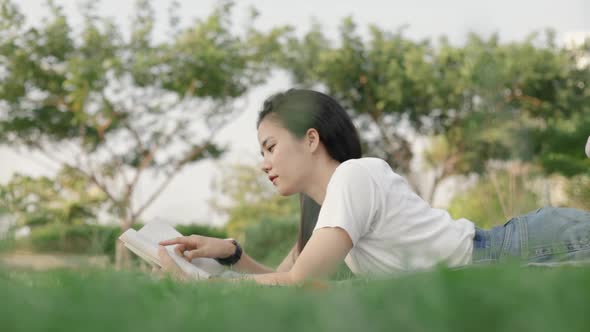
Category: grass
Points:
column 496, row 298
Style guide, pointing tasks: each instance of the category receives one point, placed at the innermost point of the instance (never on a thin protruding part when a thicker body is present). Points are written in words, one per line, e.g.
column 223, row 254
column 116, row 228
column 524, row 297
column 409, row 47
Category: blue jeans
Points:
column 547, row 236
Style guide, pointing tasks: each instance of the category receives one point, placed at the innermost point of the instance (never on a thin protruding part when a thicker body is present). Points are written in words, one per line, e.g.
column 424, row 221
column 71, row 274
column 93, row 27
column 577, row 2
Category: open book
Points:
column 144, row 243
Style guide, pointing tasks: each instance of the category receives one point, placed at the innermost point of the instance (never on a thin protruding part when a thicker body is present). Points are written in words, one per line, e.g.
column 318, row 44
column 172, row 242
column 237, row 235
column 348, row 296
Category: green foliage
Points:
column 75, row 73
column 269, row 241
column 77, row 239
column 266, row 223
column 67, row 199
column 483, row 101
column 527, row 101
column 7, row 242
column 199, row 229
column 246, row 198
column 91, row 239
column 495, row 199
column 563, row 146
column 496, row 298
column 578, row 192
column 6, row 230
column 110, row 109
column 382, row 81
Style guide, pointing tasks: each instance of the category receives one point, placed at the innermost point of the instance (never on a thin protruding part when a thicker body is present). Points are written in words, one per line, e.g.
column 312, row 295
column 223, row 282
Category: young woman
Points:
column 360, row 211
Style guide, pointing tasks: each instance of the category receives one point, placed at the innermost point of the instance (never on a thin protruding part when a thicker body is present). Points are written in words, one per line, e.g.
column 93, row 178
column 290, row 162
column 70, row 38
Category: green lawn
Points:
column 499, row 298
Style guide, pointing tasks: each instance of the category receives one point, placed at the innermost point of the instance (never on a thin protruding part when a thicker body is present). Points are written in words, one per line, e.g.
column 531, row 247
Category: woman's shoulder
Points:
column 363, row 169
column 369, row 164
column 369, row 170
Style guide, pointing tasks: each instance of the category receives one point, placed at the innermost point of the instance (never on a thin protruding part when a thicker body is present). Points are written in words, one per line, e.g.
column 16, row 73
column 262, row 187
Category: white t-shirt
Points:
column 392, row 229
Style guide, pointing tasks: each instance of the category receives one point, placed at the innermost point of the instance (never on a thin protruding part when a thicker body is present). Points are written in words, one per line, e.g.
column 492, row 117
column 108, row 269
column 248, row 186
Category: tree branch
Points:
column 90, row 176
column 195, row 152
column 118, row 163
column 191, row 155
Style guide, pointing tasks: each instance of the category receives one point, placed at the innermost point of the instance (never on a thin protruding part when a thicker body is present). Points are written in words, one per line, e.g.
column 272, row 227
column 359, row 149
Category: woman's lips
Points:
column 272, row 178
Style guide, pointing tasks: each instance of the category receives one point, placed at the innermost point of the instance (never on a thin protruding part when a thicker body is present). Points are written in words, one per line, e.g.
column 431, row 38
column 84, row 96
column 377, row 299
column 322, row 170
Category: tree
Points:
column 68, row 198
column 531, row 106
column 480, row 102
column 266, row 223
column 392, row 86
column 382, row 82
column 578, row 191
column 114, row 109
column 507, row 194
column 246, row 198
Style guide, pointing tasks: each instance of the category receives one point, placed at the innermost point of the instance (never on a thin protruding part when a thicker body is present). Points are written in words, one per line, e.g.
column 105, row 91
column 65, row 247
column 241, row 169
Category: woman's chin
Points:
column 285, row 192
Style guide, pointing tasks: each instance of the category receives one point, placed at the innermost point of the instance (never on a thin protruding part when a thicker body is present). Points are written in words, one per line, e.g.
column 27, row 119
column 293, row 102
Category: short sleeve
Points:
column 350, row 201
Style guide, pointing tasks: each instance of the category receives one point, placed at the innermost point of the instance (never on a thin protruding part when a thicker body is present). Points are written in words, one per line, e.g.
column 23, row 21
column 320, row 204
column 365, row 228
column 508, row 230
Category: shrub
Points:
column 80, row 239
column 270, row 240
column 201, row 230
column 91, row 239
column 494, row 200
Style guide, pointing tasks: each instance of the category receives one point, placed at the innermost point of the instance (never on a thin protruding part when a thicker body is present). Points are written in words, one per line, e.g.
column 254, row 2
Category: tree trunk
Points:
column 122, row 258
column 435, row 183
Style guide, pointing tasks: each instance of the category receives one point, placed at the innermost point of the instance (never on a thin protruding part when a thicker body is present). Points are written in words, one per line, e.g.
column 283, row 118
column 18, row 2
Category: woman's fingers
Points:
column 188, row 247
column 182, row 244
column 169, row 265
column 176, row 240
column 180, row 249
column 165, row 260
column 194, row 254
column 162, row 254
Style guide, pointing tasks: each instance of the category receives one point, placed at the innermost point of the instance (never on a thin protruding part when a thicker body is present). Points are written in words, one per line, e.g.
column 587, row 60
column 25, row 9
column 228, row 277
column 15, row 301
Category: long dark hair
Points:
column 299, row 110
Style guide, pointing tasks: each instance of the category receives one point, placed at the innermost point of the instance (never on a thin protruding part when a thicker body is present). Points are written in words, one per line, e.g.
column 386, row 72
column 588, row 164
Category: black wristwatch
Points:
column 233, row 259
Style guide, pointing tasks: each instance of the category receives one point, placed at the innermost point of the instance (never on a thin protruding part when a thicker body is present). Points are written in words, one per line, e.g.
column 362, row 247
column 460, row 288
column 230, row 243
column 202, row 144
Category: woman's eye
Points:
column 270, row 148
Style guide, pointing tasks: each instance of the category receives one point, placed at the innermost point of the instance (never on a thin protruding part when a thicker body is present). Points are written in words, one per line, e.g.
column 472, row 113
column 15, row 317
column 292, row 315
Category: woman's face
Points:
column 286, row 159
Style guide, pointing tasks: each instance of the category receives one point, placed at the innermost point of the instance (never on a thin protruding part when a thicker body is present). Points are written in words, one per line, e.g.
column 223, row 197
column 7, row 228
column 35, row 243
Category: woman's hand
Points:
column 169, row 266
column 195, row 246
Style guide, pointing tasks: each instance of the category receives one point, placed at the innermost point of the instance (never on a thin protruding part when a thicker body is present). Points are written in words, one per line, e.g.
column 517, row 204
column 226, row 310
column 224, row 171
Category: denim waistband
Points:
column 487, row 244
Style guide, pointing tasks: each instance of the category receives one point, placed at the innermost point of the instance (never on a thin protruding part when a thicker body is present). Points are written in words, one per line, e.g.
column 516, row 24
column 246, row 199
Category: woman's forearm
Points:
column 247, row 264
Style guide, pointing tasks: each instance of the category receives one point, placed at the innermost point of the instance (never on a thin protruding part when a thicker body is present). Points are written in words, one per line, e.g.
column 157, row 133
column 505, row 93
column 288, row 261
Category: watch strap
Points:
column 231, row 260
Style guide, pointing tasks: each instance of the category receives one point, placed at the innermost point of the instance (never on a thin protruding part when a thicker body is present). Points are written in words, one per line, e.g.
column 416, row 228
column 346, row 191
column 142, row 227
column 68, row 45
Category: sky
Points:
column 186, row 198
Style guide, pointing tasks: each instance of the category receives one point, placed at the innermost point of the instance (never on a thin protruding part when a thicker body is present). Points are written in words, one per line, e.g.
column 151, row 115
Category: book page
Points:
column 157, row 232
column 140, row 246
column 147, row 248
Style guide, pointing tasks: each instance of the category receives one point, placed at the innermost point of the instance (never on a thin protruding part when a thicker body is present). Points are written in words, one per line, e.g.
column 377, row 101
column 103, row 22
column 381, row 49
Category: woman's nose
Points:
column 265, row 166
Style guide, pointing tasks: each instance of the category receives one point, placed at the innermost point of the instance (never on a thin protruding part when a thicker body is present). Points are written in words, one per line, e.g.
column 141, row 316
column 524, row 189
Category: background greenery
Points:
column 86, row 239
column 110, row 106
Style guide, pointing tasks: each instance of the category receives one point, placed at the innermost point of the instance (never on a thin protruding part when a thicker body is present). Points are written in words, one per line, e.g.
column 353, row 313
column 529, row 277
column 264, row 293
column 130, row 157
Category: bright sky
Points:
column 186, row 198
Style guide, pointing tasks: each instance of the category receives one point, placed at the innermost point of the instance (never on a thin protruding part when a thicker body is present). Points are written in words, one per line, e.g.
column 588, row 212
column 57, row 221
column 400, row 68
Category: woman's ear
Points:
column 312, row 138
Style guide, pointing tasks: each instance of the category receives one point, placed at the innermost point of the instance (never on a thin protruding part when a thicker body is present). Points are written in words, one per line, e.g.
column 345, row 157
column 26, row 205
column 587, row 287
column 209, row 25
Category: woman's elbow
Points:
column 296, row 277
